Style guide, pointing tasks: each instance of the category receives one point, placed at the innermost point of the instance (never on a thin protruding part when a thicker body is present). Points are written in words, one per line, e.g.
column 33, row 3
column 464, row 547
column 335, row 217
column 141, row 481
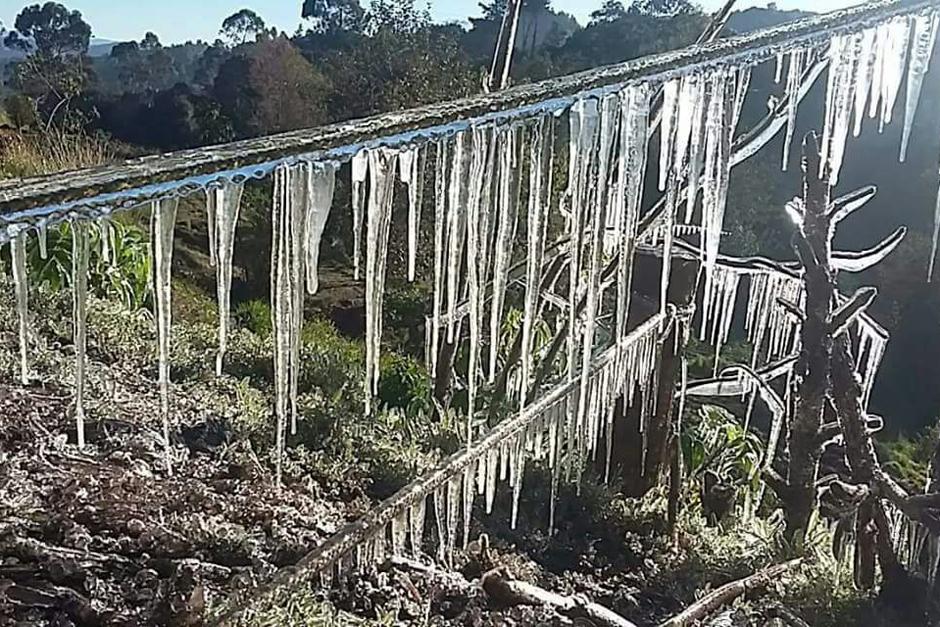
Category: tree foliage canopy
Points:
column 242, row 27
column 50, row 30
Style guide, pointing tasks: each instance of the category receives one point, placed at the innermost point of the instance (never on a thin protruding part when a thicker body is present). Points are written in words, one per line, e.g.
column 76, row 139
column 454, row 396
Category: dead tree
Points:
column 811, row 372
column 826, row 384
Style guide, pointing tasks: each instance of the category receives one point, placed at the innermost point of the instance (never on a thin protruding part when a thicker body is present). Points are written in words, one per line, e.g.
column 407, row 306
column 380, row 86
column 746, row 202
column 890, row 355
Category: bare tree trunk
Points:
column 812, row 368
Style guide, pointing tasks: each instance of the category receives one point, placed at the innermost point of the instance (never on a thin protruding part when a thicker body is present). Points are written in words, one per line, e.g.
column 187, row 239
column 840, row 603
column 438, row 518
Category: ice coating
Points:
column 21, row 287
column 162, row 228
column 222, row 207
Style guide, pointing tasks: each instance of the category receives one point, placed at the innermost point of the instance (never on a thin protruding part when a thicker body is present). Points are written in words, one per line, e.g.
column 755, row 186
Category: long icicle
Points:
column 79, row 312
column 222, row 205
column 540, row 189
column 382, row 164
column 476, row 275
column 506, row 212
column 299, row 198
column 281, row 307
column 321, row 185
column 163, row 224
column 440, row 218
column 360, row 166
column 925, row 34
column 21, row 285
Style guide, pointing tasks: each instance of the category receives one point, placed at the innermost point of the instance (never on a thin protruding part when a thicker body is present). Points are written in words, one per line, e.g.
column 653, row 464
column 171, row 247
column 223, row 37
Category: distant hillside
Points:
column 101, row 47
column 757, row 18
column 97, row 48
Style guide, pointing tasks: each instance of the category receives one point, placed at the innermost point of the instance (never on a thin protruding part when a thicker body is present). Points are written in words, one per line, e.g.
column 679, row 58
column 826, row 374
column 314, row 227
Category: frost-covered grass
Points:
column 335, row 442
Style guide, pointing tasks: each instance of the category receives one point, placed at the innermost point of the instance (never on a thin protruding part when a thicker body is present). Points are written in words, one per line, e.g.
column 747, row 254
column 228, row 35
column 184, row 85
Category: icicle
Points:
column 456, row 224
column 794, row 84
column 719, row 130
column 440, row 505
column 411, row 173
column 467, row 505
column 476, row 265
column 840, row 95
column 609, row 119
column 104, row 235
column 381, row 194
column 935, row 239
column 893, row 41
column 492, row 473
column 506, row 212
column 79, row 312
column 519, row 467
column 634, row 102
column 416, row 518
column 287, row 290
column 925, row 34
column 667, row 130
column 299, row 197
column 21, row 286
column 222, row 207
column 697, row 104
column 360, row 167
column 163, row 223
column 864, row 72
column 320, row 186
column 583, row 120
column 778, row 71
column 41, row 235
column 540, row 189
column 453, row 516
column 440, row 211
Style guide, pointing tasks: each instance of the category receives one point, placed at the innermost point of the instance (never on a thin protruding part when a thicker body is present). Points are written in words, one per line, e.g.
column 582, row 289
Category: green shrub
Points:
column 124, row 277
column 254, row 315
column 404, row 384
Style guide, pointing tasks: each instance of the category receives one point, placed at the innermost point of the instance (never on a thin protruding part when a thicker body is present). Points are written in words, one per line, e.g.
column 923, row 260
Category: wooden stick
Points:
column 729, row 592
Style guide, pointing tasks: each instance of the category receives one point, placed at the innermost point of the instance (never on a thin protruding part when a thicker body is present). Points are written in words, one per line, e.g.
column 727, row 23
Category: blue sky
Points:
column 181, row 20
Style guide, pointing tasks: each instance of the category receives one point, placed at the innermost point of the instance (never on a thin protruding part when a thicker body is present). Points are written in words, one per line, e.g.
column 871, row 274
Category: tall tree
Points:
column 242, row 27
column 271, row 88
column 333, row 16
column 663, row 8
column 610, row 11
column 54, row 72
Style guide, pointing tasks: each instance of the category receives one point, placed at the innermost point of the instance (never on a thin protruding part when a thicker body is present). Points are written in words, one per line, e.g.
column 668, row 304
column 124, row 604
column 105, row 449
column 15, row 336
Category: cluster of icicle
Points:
column 866, row 69
column 303, row 196
column 771, row 329
column 872, row 341
column 918, row 549
column 699, row 117
column 544, row 431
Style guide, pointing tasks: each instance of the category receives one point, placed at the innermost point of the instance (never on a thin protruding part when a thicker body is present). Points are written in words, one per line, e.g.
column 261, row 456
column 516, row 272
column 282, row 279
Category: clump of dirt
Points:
column 106, row 536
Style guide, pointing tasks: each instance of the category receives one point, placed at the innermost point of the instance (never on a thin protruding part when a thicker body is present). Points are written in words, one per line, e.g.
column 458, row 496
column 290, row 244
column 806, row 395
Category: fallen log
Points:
column 500, row 586
column 729, row 592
